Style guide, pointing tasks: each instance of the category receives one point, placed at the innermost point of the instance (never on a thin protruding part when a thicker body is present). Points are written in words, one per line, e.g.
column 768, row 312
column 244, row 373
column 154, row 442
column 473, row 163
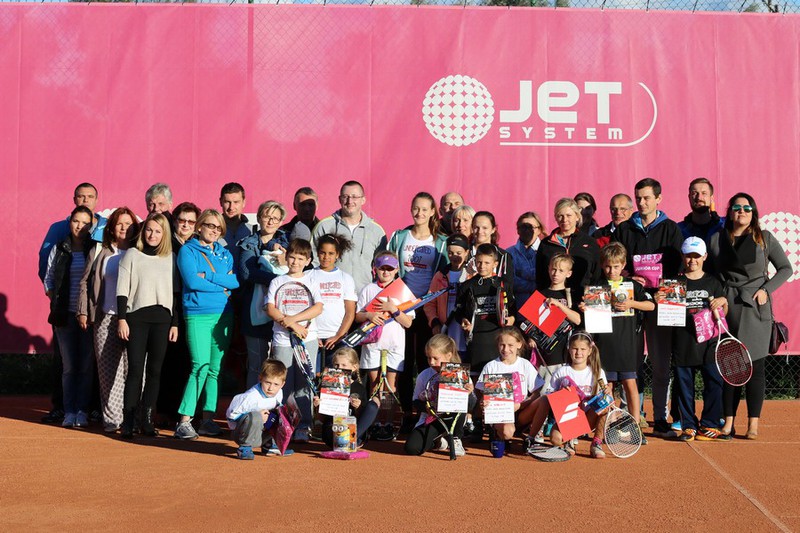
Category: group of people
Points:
column 153, row 305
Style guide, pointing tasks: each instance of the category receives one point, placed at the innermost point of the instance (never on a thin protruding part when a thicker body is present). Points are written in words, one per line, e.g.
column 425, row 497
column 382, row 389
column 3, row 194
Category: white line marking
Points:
column 772, row 518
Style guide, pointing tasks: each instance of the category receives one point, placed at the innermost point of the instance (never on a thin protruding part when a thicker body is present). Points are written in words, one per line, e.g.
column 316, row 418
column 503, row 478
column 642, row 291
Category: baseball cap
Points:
column 387, row 260
column 694, row 245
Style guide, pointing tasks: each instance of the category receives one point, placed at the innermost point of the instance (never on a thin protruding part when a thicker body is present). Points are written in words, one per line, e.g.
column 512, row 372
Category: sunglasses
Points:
column 739, row 207
column 212, row 227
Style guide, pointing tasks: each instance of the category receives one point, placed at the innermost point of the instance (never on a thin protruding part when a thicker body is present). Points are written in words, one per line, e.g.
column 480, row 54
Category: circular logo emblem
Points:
column 458, row 110
column 785, row 227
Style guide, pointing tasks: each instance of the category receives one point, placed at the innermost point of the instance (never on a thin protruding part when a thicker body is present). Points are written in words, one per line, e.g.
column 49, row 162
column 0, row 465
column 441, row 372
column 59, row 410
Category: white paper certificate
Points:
column 334, row 403
column 498, row 411
column 452, row 399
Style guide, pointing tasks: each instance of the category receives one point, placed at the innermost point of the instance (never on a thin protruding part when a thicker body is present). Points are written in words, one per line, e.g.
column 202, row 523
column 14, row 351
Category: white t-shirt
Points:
column 529, row 377
column 584, row 379
column 335, row 287
column 253, row 399
column 418, row 258
column 393, row 336
column 280, row 337
column 110, row 274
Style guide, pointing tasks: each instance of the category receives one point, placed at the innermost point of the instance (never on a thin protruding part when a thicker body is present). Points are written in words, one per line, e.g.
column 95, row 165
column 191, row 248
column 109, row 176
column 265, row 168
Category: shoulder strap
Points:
column 214, row 270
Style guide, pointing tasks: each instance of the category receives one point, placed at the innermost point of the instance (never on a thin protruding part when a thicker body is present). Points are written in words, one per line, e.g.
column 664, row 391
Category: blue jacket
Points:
column 524, row 271
column 249, row 273
column 209, row 295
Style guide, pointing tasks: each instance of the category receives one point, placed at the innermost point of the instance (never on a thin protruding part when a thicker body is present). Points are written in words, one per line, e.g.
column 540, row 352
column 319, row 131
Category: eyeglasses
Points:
column 616, row 209
column 739, row 207
column 348, row 197
column 271, row 220
column 187, row 221
column 212, row 227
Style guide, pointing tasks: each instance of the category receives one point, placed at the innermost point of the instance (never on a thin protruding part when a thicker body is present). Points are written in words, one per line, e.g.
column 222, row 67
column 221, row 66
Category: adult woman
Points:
column 529, row 230
column 184, row 220
column 484, row 231
column 742, row 253
column 421, row 252
column 461, row 220
column 566, row 239
column 256, row 330
column 206, row 268
column 97, row 306
column 65, row 267
column 588, row 208
column 147, row 318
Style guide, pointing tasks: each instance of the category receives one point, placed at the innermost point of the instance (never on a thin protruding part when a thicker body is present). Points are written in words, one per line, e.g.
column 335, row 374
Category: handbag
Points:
column 778, row 337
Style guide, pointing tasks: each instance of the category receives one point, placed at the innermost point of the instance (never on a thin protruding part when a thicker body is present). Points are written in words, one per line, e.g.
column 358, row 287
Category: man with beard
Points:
column 703, row 221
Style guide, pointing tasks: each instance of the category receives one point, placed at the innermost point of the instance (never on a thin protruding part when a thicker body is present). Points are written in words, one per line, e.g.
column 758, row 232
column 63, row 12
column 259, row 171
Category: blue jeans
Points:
column 295, row 379
column 75, row 345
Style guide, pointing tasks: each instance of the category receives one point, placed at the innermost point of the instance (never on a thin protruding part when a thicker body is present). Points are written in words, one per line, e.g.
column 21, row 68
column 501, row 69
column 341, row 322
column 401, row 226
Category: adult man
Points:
column 232, row 201
column 703, row 221
column 351, row 222
column 650, row 231
column 158, row 199
column 621, row 207
column 447, row 204
column 85, row 194
column 305, row 205
column 523, row 254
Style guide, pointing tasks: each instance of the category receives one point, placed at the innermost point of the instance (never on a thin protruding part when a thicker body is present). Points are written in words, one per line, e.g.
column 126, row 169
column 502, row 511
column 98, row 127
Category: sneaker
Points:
column 209, row 428
column 300, row 435
column 707, row 434
column 81, row 420
column 69, row 420
column 110, row 427
column 246, row 453
column 55, row 416
column 643, row 423
column 458, row 447
column 440, row 445
column 676, row 427
column 596, row 451
column 569, row 447
column 662, row 429
column 688, row 435
column 386, row 433
column 644, row 440
column 273, row 451
column 185, row 431
column 469, row 427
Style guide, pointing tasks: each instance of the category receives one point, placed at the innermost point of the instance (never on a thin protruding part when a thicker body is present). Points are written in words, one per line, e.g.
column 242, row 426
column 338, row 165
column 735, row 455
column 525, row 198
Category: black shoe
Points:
column 55, row 416
column 128, row 421
column 146, row 424
column 95, row 416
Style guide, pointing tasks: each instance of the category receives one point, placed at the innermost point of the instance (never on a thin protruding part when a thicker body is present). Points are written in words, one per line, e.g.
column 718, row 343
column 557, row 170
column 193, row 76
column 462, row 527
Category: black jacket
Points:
column 59, row 304
column 584, row 252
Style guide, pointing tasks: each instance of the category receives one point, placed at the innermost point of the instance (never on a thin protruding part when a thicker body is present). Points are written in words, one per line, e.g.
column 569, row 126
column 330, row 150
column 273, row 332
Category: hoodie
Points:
column 662, row 236
column 210, row 294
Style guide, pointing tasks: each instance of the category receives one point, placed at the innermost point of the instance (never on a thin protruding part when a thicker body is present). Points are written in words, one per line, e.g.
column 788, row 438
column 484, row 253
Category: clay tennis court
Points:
column 70, row 480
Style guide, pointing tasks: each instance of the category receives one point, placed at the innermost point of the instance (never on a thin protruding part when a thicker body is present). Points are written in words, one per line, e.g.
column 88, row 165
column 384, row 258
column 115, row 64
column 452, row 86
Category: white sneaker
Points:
column 440, row 445
column 185, row 431
column 458, row 446
column 69, row 420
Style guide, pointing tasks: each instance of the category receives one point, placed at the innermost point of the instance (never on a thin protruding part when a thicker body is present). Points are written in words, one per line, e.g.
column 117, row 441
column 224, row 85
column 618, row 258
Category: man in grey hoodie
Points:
column 352, row 223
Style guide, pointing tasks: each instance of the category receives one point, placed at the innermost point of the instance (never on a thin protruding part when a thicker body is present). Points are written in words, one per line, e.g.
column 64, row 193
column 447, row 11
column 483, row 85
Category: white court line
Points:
column 744, row 492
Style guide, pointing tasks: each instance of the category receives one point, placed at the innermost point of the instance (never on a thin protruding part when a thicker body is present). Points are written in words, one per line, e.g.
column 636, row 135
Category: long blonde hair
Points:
column 593, row 361
column 351, row 355
column 443, row 344
column 164, row 248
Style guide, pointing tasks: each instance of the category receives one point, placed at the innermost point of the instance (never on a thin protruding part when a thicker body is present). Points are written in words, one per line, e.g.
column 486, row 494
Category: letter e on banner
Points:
column 572, row 421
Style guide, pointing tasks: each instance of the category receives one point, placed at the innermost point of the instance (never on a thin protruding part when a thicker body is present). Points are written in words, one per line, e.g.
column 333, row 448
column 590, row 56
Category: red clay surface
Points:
column 69, row 480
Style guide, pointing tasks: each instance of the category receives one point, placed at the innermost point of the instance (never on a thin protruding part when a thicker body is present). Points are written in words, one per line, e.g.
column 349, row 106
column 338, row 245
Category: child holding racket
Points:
column 584, row 371
column 293, row 300
column 439, row 349
column 509, row 344
column 249, row 410
column 691, row 355
column 338, row 291
column 621, row 347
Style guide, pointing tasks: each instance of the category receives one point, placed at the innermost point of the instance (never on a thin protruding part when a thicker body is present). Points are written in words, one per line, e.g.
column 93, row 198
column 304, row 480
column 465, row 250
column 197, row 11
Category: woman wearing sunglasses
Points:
column 742, row 253
column 206, row 269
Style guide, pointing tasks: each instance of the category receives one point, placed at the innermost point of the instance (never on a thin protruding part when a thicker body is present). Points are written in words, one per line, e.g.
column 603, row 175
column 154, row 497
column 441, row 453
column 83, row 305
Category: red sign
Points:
column 569, row 416
column 545, row 317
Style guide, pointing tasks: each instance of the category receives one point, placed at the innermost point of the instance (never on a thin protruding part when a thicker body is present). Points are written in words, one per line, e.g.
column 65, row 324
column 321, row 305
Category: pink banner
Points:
column 515, row 108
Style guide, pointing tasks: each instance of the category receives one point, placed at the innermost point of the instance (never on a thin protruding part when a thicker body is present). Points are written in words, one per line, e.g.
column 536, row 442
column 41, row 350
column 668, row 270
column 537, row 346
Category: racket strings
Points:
column 733, row 362
column 622, row 434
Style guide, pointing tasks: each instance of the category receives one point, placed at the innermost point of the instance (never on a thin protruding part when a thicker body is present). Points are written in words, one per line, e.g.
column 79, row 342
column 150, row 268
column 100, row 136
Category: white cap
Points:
column 694, row 245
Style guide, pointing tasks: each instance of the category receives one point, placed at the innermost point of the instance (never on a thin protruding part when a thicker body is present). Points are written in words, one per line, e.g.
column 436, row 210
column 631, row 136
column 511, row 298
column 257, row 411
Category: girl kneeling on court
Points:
column 438, row 350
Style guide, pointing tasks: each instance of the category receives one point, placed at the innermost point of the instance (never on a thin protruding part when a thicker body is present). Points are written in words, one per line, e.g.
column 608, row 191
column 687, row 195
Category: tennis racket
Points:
column 448, row 421
column 291, row 299
column 622, row 433
column 502, row 303
column 549, row 454
column 473, row 304
column 388, row 398
column 731, row 356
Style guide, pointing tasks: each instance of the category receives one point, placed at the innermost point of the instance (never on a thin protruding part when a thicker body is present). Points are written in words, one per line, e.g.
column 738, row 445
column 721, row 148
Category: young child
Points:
column 583, row 368
column 509, row 344
column 298, row 256
column 476, row 302
column 558, row 295
column 451, row 276
column 703, row 291
column 621, row 347
column 439, row 349
column 361, row 406
column 249, row 410
column 392, row 337
column 338, row 291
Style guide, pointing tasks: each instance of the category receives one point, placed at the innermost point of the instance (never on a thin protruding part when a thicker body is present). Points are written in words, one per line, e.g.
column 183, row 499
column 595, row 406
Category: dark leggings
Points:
column 148, row 338
column 754, row 392
column 417, row 335
column 421, row 439
column 363, row 423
